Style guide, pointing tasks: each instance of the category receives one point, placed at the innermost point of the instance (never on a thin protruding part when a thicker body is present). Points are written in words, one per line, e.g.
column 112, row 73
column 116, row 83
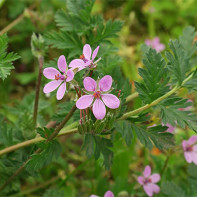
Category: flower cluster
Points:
column 97, row 93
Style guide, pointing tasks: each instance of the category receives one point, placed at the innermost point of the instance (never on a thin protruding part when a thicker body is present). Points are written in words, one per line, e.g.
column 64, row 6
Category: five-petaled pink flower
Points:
column 148, row 181
column 155, row 44
column 107, row 194
column 58, row 78
column 98, row 95
column 86, row 59
column 190, row 149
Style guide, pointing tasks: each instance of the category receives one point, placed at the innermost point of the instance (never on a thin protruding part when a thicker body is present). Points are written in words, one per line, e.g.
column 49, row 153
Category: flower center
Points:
column 148, row 180
column 189, row 148
column 83, row 58
column 62, row 77
column 97, row 94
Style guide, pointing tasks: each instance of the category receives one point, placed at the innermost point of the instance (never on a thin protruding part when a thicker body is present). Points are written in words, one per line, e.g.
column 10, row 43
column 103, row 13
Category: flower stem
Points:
column 52, row 136
column 17, row 20
column 131, row 97
column 41, row 61
column 155, row 102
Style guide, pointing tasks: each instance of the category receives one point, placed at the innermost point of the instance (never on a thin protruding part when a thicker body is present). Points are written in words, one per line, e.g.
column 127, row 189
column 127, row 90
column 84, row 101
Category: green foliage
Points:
column 155, row 77
column 96, row 145
column 50, row 151
column 6, row 59
column 173, row 112
column 180, row 57
column 154, row 136
column 53, row 193
column 45, row 132
column 172, row 190
column 124, row 127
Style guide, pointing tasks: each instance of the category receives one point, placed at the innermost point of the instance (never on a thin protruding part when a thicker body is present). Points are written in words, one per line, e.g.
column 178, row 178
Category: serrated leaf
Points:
column 124, row 128
column 49, row 153
column 45, row 132
column 171, row 113
column 154, row 136
column 6, row 58
column 89, row 145
column 154, row 75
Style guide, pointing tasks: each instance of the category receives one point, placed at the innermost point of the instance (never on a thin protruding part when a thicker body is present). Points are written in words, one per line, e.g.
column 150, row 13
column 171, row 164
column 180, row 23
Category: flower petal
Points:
column 84, row 101
column 77, row 63
column 109, row 194
column 87, row 51
column 52, row 85
column 155, row 188
column 192, row 140
column 50, row 72
column 70, row 75
column 94, row 54
column 194, row 157
column 140, row 180
column 155, row 178
column 188, row 157
column 195, row 148
column 93, row 195
column 110, row 100
column 62, row 63
column 148, row 190
column 61, row 91
column 89, row 84
column 99, row 109
column 184, row 144
column 105, row 83
column 147, row 171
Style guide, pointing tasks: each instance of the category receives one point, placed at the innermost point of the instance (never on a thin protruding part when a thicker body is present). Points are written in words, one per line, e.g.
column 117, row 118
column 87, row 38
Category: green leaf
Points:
column 54, row 193
column 97, row 146
column 172, row 112
column 154, row 136
column 124, row 127
column 45, row 132
column 172, row 190
column 51, row 150
column 109, row 30
column 6, row 58
column 103, row 146
column 155, row 77
column 89, row 145
column 60, row 40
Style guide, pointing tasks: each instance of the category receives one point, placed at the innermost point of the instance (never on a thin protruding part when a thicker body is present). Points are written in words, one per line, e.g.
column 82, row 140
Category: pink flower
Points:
column 59, row 79
column 148, row 181
column 86, row 60
column 107, row 194
column 190, row 149
column 98, row 96
column 155, row 44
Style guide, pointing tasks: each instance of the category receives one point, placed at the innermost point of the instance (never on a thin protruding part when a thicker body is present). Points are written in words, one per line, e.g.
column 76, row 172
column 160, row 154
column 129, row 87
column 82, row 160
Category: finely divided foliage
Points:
column 100, row 115
column 6, row 59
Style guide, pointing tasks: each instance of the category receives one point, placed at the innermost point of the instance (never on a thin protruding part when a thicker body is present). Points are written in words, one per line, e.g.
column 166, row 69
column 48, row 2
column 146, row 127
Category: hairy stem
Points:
column 52, row 136
column 155, row 102
column 165, row 165
column 41, row 61
column 131, row 97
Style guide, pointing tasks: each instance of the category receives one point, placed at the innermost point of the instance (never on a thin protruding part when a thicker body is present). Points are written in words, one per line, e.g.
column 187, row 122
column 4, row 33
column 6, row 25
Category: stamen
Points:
column 97, row 94
column 57, row 77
